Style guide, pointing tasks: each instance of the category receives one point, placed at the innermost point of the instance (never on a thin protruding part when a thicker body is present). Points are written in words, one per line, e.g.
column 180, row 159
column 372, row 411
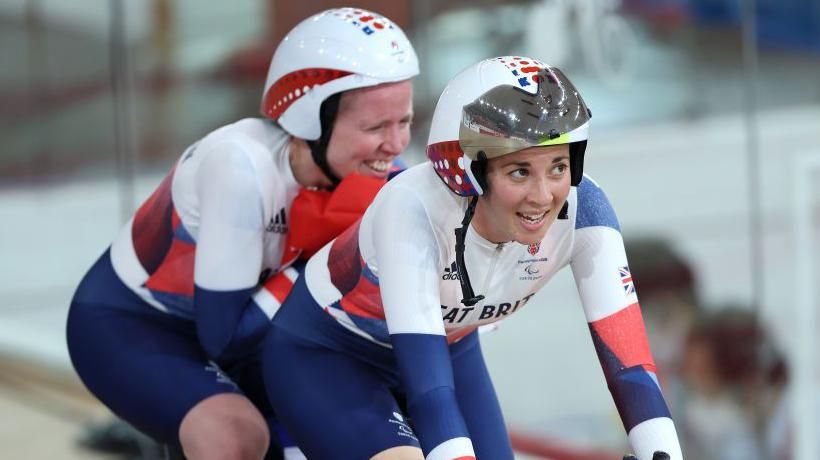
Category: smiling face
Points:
column 527, row 190
column 372, row 128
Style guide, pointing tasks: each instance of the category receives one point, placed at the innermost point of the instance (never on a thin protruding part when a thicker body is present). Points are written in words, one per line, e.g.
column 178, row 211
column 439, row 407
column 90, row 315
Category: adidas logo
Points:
column 451, row 272
column 278, row 223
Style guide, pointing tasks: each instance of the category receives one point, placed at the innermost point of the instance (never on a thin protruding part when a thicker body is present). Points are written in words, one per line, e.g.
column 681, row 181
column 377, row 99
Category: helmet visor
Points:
column 506, row 118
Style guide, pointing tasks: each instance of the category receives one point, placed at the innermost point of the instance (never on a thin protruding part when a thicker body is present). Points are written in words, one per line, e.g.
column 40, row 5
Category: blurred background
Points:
column 706, row 137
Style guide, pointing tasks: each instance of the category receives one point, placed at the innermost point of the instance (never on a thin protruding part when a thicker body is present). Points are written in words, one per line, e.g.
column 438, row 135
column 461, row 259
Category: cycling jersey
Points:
column 173, row 313
column 216, row 225
column 391, row 280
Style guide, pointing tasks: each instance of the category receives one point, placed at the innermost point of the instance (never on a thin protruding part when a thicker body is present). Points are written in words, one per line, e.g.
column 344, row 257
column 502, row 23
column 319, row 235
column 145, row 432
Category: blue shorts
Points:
column 145, row 365
column 339, row 395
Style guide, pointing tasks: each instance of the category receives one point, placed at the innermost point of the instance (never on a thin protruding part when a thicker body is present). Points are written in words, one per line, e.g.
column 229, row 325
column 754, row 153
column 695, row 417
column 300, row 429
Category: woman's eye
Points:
column 559, row 169
column 519, row 173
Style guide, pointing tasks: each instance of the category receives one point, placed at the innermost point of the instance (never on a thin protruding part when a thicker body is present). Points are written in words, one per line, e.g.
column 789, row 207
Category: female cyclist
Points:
column 379, row 336
column 165, row 328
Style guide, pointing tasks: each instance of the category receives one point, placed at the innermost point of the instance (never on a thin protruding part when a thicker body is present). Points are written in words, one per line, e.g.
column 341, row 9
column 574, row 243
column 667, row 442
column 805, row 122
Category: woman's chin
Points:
column 528, row 238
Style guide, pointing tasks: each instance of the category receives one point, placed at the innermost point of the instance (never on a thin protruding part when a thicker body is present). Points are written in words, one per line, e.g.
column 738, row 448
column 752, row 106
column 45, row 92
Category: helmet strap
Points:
column 470, row 298
column 318, row 148
column 479, row 169
column 576, row 162
column 564, row 214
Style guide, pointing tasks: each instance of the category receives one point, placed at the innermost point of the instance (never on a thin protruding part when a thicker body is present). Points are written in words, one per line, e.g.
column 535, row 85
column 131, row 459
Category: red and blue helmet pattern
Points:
column 525, row 70
column 448, row 161
column 369, row 23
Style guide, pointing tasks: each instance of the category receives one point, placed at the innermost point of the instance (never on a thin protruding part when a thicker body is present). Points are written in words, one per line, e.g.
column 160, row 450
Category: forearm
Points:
column 229, row 323
column 623, row 350
column 644, row 413
column 424, row 364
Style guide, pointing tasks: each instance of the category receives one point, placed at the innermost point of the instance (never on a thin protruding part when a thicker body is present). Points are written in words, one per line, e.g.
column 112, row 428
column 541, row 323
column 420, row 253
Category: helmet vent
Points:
column 288, row 89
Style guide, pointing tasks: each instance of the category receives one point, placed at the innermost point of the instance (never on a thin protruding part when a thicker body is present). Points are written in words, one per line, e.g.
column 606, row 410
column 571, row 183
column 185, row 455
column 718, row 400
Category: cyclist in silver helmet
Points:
column 380, row 334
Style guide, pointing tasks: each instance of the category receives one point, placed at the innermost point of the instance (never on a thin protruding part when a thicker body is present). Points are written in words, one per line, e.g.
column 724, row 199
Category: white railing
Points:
column 803, row 356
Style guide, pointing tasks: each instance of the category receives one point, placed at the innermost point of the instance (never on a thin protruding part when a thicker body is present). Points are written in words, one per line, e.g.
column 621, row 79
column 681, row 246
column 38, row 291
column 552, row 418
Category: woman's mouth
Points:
column 379, row 166
column 532, row 221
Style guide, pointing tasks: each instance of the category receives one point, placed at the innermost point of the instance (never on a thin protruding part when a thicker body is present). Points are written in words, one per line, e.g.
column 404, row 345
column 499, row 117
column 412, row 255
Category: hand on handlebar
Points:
column 658, row 455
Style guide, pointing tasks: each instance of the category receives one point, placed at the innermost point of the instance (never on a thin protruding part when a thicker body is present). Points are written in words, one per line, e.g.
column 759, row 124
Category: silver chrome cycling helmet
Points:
column 495, row 107
column 500, row 106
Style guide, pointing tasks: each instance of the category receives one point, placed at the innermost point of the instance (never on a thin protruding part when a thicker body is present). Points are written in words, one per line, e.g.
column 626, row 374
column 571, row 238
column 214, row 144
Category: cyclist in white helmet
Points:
column 165, row 329
column 385, row 318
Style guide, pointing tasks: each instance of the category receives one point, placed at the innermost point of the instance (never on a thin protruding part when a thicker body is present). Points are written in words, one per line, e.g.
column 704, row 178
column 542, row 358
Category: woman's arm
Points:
column 407, row 255
column 229, row 254
column 611, row 306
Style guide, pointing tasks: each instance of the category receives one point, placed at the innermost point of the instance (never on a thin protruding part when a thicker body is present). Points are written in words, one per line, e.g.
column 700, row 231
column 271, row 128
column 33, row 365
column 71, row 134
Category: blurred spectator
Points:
column 722, row 371
column 718, row 368
column 777, row 420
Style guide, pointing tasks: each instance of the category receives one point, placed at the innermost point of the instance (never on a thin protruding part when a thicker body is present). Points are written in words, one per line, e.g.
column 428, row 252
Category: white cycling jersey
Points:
column 394, row 273
column 217, row 221
column 406, row 242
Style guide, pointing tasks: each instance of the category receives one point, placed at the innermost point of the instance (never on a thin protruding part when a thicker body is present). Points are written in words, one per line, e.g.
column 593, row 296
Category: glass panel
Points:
column 85, row 138
column 694, row 132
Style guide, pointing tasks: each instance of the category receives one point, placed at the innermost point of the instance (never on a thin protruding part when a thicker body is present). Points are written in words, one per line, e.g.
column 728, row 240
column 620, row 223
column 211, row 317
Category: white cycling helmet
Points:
column 500, row 106
column 328, row 53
